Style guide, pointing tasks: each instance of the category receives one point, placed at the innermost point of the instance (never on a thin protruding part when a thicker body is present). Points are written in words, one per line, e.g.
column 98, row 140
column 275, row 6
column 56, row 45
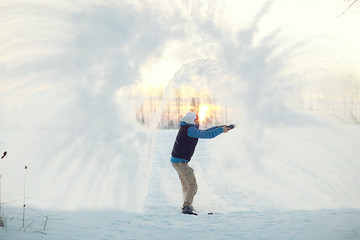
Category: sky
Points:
column 71, row 73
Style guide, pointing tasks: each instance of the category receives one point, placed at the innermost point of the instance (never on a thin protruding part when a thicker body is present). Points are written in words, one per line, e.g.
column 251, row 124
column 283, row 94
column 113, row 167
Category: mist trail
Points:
column 65, row 109
column 279, row 156
column 154, row 196
column 67, row 106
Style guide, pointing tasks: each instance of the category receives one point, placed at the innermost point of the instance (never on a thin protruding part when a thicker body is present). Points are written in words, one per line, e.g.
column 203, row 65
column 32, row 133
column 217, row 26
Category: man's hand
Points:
column 226, row 129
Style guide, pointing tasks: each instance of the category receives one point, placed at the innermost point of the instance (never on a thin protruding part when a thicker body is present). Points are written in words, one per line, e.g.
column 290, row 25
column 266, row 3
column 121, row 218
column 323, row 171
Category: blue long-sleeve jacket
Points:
column 183, row 145
column 195, row 132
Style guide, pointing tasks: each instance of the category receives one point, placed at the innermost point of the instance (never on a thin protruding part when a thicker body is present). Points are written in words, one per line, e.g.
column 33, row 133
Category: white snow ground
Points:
column 304, row 185
column 168, row 223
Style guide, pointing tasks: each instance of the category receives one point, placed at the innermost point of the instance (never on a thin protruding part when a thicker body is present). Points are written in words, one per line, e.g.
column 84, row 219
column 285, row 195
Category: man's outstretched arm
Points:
column 208, row 133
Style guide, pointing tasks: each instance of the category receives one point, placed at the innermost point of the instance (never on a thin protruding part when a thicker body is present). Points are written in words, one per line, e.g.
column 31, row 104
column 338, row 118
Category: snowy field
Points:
column 295, row 190
column 168, row 223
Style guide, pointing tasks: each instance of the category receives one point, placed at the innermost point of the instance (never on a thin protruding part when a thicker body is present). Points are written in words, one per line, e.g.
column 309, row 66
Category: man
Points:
column 184, row 147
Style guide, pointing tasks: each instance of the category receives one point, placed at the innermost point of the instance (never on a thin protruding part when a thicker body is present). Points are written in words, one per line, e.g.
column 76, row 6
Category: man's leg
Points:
column 188, row 181
column 184, row 186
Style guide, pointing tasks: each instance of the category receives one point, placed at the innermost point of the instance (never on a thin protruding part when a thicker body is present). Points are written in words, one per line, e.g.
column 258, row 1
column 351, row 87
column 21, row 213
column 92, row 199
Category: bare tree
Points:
column 348, row 7
column 178, row 104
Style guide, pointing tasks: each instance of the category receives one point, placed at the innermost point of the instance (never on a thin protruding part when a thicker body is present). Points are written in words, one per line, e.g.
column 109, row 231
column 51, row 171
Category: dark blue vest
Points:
column 184, row 145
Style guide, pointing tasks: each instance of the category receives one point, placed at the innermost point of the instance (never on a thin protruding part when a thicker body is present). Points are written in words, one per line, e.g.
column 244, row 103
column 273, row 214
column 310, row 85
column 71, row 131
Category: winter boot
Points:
column 187, row 210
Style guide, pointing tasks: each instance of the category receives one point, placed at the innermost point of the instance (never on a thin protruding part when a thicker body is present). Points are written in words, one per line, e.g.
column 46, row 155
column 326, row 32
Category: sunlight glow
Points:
column 203, row 110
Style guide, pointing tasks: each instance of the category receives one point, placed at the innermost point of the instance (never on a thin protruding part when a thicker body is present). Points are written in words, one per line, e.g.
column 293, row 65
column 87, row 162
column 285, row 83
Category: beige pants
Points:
column 188, row 182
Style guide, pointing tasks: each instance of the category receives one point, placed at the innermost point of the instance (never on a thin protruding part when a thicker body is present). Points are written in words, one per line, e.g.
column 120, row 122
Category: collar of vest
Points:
column 182, row 123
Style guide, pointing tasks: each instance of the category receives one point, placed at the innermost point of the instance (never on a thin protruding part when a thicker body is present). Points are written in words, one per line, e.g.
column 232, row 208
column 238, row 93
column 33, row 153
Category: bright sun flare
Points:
column 203, row 110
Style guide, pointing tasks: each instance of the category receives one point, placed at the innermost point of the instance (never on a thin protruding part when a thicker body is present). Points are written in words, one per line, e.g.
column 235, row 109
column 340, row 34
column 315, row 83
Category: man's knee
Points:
column 195, row 187
column 193, row 184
